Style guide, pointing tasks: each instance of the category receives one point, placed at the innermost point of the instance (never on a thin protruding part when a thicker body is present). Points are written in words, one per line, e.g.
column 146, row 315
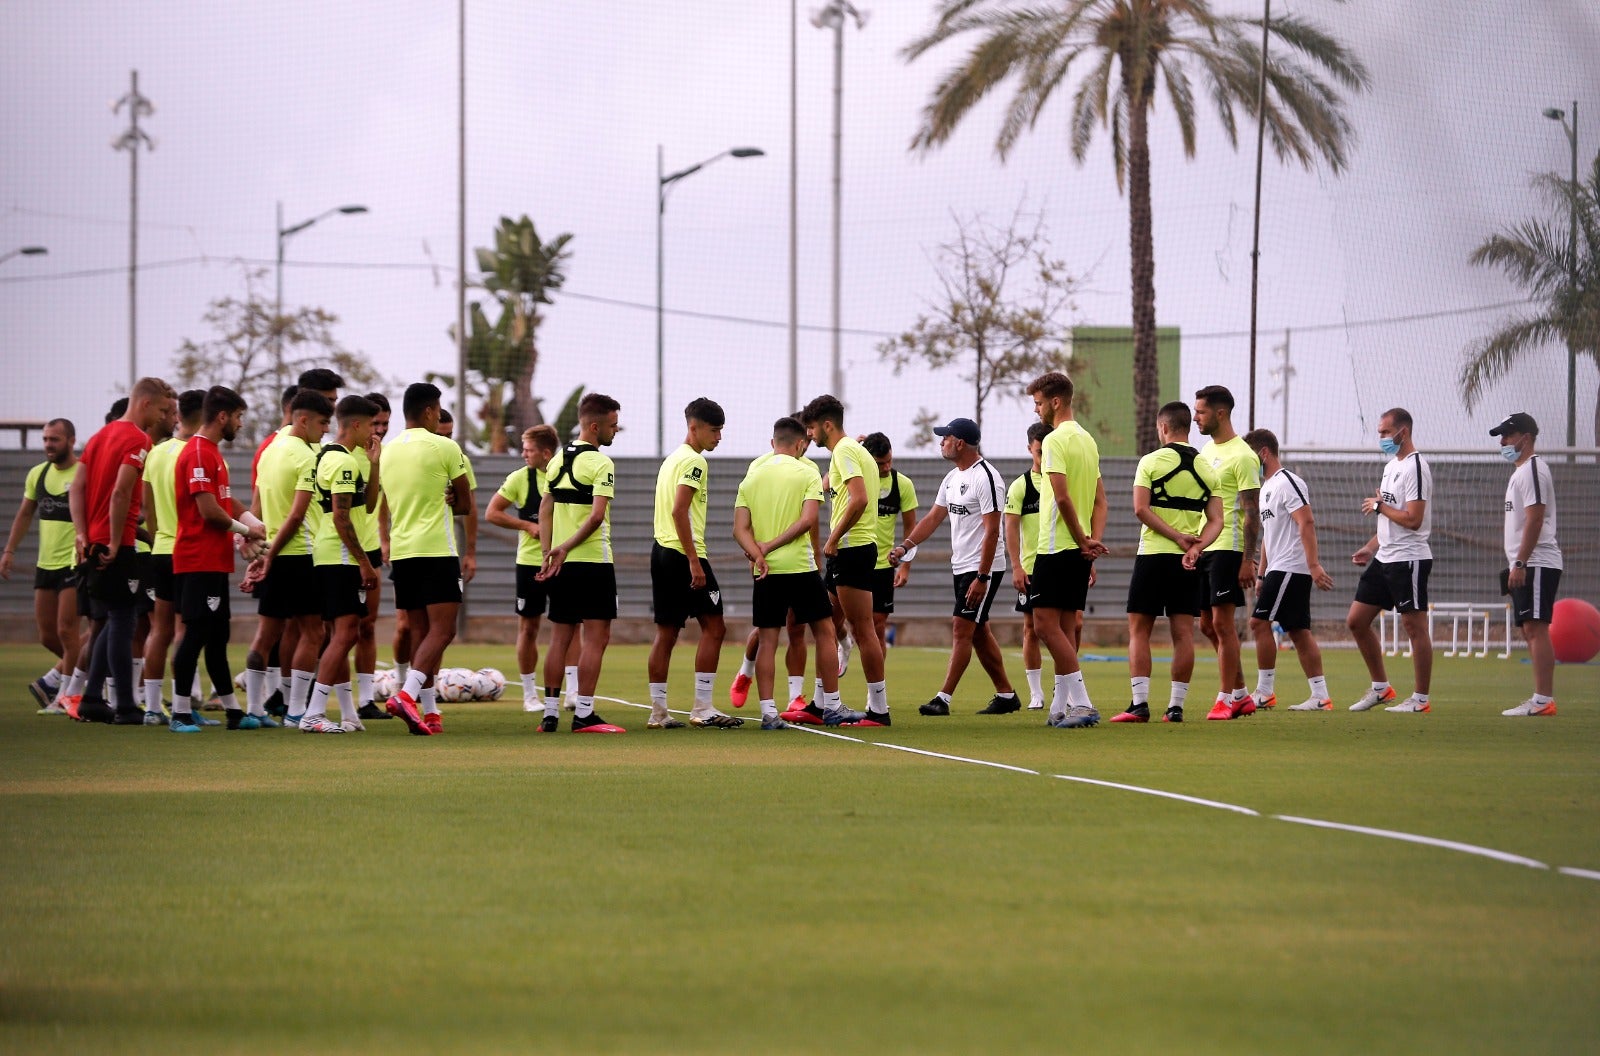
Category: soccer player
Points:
column 276, row 673
column 1397, row 561
column 1290, row 566
column 775, row 515
column 207, row 517
column 284, row 576
column 897, row 499
column 1022, row 544
column 579, row 568
column 1228, row 566
column 430, row 568
column 851, row 551
column 1176, row 502
column 516, row 506
column 366, row 653
column 1072, row 521
column 343, row 571
column 161, row 518
column 55, row 586
column 1533, row 557
column 105, row 496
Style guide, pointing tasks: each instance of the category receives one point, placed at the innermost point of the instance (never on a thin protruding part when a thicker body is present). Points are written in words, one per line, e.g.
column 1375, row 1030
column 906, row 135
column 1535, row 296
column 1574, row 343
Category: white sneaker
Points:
column 1036, row 704
column 1530, row 707
column 53, row 708
column 1314, row 704
column 1372, row 698
column 353, row 724
column 319, row 724
column 846, row 647
column 532, row 705
column 154, row 718
column 1411, row 703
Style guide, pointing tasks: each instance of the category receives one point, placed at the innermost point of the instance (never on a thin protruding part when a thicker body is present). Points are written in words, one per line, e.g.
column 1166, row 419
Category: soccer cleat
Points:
column 1411, row 704
column 843, row 716
column 1530, row 707
column 128, row 717
column 805, row 715
column 1313, row 704
column 353, row 724
column 936, row 706
column 1055, row 718
column 267, row 722
column 1372, row 698
column 532, row 706
column 739, row 692
column 846, row 647
column 549, row 724
column 715, row 721
column 404, row 708
column 154, row 718
column 370, row 710
column 1174, row 714
column 664, row 722
column 434, row 721
column 1268, row 702
column 41, row 692
column 1222, row 709
column 1135, row 713
column 1036, row 704
column 70, row 705
column 999, row 705
column 276, row 705
column 183, row 722
column 1079, row 717
column 249, row 722
column 593, row 723
column 1245, row 705
column 773, row 722
column 869, row 718
column 55, row 707
column 320, row 724
column 200, row 720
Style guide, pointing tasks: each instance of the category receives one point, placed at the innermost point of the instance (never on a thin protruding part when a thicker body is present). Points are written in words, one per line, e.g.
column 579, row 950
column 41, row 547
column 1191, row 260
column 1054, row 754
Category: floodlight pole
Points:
column 133, row 140
column 833, row 17
column 1255, row 237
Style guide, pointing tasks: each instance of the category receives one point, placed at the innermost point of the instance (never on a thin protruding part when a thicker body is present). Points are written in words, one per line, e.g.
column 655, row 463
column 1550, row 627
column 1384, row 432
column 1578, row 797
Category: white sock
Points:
column 748, row 667
column 1540, row 698
column 1077, row 692
column 1419, row 695
column 877, row 697
column 274, row 681
column 300, row 683
column 181, row 705
column 363, row 686
column 318, row 704
column 1035, row 682
column 552, row 702
column 1237, row 695
column 52, row 678
column 1059, row 700
column 816, row 692
column 429, row 700
column 255, row 691
column 704, row 683
column 658, row 696
column 769, row 709
column 1266, row 681
column 942, row 695
column 530, row 690
column 1380, row 686
column 111, row 692
column 75, row 684
column 1319, row 687
column 347, row 705
column 138, row 674
column 196, row 690
column 584, row 708
column 797, row 685
column 1141, row 690
column 414, row 681
column 228, row 701
column 152, row 694
column 1180, row 693
column 572, row 681
column 402, row 672
column 831, row 702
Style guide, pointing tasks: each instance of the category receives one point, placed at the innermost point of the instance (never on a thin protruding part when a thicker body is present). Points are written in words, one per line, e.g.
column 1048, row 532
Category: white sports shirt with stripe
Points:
column 1405, row 480
column 1282, row 494
column 968, row 494
column 1530, row 485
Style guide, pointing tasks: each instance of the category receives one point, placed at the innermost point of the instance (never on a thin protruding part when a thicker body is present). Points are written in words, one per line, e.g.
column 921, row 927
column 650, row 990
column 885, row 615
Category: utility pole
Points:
column 833, row 17
column 132, row 140
column 1255, row 236
column 794, row 214
column 1283, row 372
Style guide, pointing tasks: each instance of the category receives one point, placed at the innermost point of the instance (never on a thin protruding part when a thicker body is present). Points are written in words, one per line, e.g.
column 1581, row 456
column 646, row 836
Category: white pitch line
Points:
column 1164, row 795
column 1587, row 874
column 953, row 758
column 1430, row 841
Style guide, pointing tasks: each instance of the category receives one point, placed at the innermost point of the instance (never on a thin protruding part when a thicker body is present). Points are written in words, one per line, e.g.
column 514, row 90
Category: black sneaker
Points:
column 92, row 710
column 1174, row 714
column 276, row 705
column 936, row 706
column 549, row 724
column 128, row 717
column 42, row 692
column 1001, row 705
column 235, row 716
column 370, row 710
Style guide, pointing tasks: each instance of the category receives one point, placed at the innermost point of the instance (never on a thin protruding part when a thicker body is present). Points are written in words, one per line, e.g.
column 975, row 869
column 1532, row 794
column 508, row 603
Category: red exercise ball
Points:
column 1575, row 631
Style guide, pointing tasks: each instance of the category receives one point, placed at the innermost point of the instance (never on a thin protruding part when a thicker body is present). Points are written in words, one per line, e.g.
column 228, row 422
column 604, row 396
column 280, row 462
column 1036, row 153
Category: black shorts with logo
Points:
column 1284, row 598
column 1161, row 586
column 1219, row 573
column 772, row 599
column 532, row 595
column 117, row 585
column 56, row 579
column 341, row 591
column 1534, row 600
column 290, row 589
column 1025, row 598
column 1398, row 585
column 423, row 581
column 670, row 596
column 157, row 584
column 853, row 566
column 979, row 614
column 202, row 598
column 1060, row 581
column 583, row 590
column 883, row 590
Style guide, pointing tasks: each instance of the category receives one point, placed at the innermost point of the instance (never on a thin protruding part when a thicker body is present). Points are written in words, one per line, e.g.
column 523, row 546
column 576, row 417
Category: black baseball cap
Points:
column 1521, row 422
column 961, row 428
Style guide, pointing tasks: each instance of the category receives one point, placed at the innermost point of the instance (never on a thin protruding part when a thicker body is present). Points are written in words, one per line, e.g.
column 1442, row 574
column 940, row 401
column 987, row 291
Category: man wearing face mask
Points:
column 1532, row 555
column 1397, row 560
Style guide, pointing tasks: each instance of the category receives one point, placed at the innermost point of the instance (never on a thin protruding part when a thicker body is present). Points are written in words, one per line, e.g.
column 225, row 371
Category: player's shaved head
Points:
column 786, row 431
column 1175, row 418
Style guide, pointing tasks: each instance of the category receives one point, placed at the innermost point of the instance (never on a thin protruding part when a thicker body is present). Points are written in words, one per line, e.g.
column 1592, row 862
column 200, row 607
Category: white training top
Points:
column 968, row 494
column 1406, row 480
column 1282, row 494
column 1530, row 485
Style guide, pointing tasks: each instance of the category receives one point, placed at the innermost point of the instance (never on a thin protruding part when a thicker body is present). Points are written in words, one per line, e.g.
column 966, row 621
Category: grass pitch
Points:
column 739, row 891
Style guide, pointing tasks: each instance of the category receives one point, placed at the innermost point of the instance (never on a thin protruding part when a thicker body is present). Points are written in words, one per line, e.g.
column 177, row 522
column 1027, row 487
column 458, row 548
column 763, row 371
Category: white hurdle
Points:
column 1466, row 619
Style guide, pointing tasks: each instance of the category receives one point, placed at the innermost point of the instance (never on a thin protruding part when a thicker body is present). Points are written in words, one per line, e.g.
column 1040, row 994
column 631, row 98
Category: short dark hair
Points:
column 877, row 445
column 1262, row 440
column 1051, row 385
column 191, row 404
column 354, row 406
column 702, row 409
column 1175, row 416
column 64, row 423
column 595, row 404
column 289, row 393
column 381, row 400
column 321, row 379
column 1037, row 432
column 445, row 417
column 309, row 401
column 825, row 408
column 1216, row 396
column 1398, row 415
column 787, row 430
column 119, row 407
column 542, row 436
column 221, row 400
column 420, row 395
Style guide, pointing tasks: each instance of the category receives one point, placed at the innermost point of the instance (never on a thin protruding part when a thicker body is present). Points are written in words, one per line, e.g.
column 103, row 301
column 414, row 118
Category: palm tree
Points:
column 521, row 271
column 1133, row 48
column 1560, row 272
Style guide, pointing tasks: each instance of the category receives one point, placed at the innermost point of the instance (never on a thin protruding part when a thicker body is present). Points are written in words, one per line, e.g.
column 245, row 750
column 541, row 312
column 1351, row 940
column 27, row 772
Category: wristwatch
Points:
column 1519, row 564
column 982, row 577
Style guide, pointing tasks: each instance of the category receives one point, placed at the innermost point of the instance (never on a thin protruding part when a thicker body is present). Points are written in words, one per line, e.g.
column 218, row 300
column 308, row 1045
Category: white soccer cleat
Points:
column 1313, row 704
column 353, row 725
column 1372, row 698
column 1410, row 704
column 1530, row 707
column 846, row 647
column 531, row 706
column 1036, row 704
column 319, row 724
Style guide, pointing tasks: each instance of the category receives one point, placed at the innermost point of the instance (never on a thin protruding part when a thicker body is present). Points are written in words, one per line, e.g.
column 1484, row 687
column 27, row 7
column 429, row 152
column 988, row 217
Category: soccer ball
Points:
column 488, row 684
column 385, row 684
column 454, row 684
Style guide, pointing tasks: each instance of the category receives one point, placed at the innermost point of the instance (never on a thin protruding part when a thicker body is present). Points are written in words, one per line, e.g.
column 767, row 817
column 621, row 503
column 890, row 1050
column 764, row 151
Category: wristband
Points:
column 252, row 520
column 910, row 553
column 239, row 528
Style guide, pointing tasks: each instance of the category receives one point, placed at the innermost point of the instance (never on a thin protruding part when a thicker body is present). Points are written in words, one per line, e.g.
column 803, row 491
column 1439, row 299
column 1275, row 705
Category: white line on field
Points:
column 953, row 758
column 1165, row 795
column 1390, row 834
column 1587, row 874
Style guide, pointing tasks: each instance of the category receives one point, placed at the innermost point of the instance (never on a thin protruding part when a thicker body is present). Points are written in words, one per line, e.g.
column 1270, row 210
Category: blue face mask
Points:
column 1388, row 445
column 1509, row 453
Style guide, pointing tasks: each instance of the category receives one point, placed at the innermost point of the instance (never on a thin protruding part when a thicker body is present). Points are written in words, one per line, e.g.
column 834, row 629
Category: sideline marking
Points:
column 1587, row 874
column 952, row 758
column 1390, row 834
column 1158, row 792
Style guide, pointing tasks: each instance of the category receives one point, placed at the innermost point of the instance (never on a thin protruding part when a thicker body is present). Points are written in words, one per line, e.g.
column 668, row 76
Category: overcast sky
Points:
column 323, row 104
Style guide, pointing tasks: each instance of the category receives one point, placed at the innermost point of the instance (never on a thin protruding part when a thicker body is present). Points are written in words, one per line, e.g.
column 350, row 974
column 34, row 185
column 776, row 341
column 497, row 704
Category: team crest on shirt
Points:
column 213, row 601
column 695, row 472
column 199, row 473
column 963, row 487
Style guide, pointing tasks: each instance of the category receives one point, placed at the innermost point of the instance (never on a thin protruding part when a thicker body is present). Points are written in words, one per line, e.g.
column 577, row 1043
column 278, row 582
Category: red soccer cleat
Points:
column 71, row 705
column 1135, row 713
column 803, row 714
column 434, row 721
column 404, row 708
column 1244, row 707
column 739, row 692
column 1222, row 709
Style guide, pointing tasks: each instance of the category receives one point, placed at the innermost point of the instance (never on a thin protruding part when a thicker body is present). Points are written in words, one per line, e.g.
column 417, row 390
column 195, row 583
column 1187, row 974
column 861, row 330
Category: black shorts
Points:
column 1398, row 585
column 202, row 597
column 1060, row 581
column 980, row 614
column 1219, row 577
column 145, row 603
column 423, row 581
column 157, row 584
column 290, row 589
column 883, row 590
column 1161, row 586
column 583, row 590
column 341, row 591
column 56, row 579
column 772, row 599
column 1284, row 598
column 670, row 597
column 853, row 566
column 1025, row 599
column 532, row 595
column 1534, row 600
column 375, row 558
column 117, row 585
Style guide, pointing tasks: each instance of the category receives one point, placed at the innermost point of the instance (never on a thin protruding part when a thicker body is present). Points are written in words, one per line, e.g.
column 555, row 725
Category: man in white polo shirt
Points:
column 1533, row 557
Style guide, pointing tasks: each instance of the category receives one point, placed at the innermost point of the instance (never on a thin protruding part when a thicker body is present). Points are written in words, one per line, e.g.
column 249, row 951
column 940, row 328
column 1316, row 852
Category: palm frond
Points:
column 1089, row 105
column 1181, row 95
column 1492, row 358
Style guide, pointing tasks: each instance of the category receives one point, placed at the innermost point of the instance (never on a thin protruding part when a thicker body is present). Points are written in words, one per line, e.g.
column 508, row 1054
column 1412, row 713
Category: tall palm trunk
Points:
column 1141, row 239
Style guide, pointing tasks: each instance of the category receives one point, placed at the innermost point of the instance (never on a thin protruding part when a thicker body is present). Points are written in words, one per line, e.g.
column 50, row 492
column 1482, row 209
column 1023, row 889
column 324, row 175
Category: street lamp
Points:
column 1572, row 264
column 833, row 17
column 664, row 183
column 284, row 234
column 25, row 251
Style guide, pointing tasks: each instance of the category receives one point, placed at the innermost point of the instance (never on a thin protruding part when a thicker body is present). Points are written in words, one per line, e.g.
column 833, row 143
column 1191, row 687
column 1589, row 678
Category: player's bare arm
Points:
column 19, row 528
column 1307, row 525
column 1250, row 518
column 685, row 532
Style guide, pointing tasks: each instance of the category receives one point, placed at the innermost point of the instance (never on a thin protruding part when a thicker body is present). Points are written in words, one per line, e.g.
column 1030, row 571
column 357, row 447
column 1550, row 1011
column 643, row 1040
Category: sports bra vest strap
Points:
column 529, row 511
column 889, row 504
column 1030, row 495
column 325, row 498
column 1159, row 496
column 571, row 492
